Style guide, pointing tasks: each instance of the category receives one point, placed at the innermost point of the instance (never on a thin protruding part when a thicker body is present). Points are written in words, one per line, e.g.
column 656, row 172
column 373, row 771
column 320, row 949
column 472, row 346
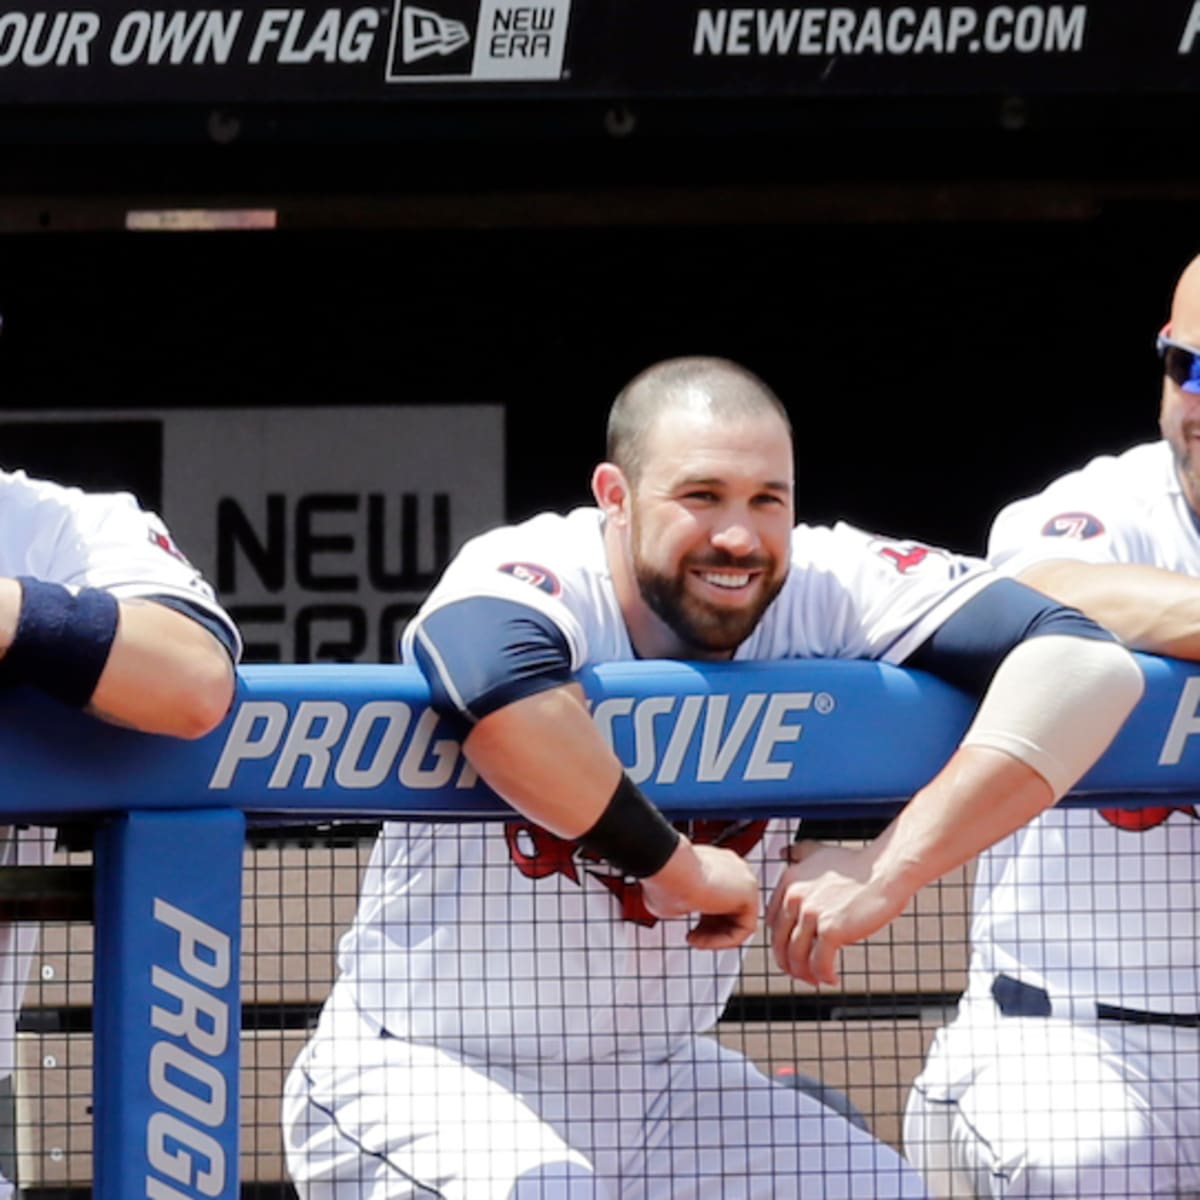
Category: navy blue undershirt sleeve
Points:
column 481, row 653
column 968, row 647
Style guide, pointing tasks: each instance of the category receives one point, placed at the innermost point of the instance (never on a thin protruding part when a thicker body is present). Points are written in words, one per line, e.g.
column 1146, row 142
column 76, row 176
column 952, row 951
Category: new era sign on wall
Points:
column 321, row 528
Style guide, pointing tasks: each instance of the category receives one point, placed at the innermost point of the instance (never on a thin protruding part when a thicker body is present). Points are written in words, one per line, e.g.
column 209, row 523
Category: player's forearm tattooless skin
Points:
column 1147, row 607
column 166, row 674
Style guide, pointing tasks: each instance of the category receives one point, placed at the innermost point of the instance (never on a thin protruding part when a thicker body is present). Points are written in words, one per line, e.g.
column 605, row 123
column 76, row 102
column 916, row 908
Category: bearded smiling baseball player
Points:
column 521, row 1009
column 1073, row 1066
column 99, row 609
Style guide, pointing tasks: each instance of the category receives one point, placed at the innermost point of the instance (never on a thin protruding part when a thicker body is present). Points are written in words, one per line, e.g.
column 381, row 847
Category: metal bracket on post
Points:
column 167, row 1012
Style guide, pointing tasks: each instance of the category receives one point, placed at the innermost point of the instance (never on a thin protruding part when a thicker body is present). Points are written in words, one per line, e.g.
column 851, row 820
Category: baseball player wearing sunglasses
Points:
column 1073, row 1066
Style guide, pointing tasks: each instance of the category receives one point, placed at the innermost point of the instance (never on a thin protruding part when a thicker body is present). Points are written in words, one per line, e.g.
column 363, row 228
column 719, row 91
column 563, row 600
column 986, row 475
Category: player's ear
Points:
column 611, row 490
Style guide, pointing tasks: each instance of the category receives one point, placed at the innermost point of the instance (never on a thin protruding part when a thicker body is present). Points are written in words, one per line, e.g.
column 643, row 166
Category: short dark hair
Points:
column 725, row 388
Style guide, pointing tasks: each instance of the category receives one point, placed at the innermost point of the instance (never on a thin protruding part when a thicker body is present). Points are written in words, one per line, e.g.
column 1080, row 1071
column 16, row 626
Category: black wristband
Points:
column 631, row 833
column 62, row 641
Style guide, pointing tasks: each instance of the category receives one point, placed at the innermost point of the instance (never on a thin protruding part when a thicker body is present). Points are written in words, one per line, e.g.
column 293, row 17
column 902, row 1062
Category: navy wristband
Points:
column 62, row 641
column 631, row 833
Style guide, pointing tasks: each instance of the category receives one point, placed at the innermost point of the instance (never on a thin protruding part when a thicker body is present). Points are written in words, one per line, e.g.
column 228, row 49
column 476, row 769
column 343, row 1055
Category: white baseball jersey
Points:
column 86, row 539
column 505, row 941
column 1074, row 902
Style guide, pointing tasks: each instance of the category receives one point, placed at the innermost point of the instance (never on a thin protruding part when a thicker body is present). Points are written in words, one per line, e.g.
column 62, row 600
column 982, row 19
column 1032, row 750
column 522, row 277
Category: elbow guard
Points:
column 1056, row 702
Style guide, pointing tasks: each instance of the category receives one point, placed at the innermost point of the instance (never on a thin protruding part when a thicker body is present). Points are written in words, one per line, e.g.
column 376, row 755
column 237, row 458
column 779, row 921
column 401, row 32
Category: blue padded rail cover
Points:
column 806, row 736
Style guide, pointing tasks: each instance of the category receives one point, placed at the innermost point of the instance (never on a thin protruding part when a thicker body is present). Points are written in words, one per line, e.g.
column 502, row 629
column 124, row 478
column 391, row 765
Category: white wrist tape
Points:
column 1056, row 702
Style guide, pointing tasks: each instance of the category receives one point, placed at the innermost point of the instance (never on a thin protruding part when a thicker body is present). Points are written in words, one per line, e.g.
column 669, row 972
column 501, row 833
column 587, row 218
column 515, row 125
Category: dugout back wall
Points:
column 933, row 367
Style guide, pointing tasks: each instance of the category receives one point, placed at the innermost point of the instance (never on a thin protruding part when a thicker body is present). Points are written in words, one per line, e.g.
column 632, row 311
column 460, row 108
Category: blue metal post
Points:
column 167, row 1011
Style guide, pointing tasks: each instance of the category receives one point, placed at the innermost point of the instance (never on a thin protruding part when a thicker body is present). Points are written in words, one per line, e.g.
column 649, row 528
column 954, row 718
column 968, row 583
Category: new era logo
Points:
column 477, row 40
column 425, row 32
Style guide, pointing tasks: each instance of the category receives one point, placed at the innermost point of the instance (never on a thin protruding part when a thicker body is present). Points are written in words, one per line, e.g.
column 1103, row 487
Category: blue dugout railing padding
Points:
column 813, row 737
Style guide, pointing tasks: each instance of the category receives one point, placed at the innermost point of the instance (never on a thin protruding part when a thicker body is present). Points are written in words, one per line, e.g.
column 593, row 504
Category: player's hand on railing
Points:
column 714, row 882
column 827, row 899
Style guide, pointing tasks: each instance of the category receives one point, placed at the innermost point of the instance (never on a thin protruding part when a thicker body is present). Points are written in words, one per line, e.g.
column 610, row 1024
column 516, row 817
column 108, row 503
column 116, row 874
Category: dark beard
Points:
column 705, row 627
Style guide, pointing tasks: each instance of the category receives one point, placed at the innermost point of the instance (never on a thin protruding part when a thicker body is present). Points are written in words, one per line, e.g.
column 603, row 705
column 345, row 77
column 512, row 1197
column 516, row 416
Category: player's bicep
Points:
column 223, row 631
column 482, row 653
column 966, row 649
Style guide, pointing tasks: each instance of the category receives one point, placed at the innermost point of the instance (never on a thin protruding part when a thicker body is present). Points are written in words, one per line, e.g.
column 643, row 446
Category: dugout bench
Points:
column 178, row 884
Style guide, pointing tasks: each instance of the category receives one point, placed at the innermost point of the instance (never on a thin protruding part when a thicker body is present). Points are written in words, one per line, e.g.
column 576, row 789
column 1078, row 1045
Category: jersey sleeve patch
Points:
column 906, row 558
column 162, row 539
column 531, row 573
column 1077, row 525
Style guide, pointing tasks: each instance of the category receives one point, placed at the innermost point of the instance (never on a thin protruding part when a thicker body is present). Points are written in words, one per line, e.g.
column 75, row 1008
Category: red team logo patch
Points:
column 907, row 556
column 531, row 573
column 905, row 560
column 1077, row 525
column 915, row 556
column 164, row 543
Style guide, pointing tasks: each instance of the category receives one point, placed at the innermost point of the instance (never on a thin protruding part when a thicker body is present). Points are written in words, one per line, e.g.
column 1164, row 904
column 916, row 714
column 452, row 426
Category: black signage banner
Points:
column 402, row 51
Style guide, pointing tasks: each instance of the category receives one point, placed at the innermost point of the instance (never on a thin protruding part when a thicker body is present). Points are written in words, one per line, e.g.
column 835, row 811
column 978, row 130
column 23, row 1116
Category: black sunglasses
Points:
column 1181, row 363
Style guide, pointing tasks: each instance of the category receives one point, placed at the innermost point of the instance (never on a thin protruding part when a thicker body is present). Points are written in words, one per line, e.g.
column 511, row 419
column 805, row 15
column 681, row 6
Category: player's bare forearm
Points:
column 165, row 674
column 832, row 896
column 545, row 757
column 980, row 796
column 1148, row 608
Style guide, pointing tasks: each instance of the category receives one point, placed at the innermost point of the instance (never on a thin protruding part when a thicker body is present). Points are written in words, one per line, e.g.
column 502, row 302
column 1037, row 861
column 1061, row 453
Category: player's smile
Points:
column 729, row 583
column 726, row 581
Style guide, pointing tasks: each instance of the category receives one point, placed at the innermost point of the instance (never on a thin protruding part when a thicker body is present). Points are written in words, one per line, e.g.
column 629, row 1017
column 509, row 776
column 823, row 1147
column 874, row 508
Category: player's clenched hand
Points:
column 826, row 900
column 714, row 882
